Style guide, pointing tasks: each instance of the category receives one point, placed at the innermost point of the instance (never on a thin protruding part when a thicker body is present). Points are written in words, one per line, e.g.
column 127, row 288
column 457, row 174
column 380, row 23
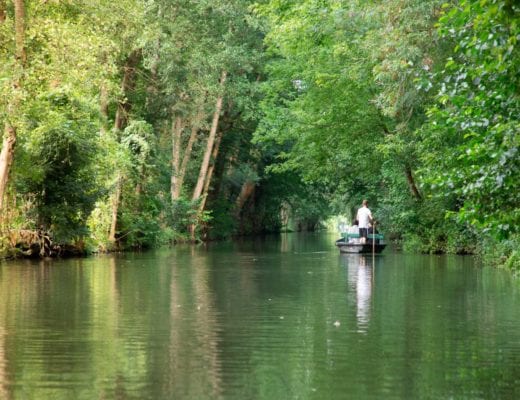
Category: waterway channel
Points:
column 283, row 317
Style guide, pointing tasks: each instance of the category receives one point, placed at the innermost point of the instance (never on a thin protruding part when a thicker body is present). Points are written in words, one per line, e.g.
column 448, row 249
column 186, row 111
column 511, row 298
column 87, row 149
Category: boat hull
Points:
column 359, row 248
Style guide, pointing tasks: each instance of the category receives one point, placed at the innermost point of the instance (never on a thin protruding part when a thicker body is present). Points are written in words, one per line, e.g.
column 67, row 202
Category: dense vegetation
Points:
column 136, row 123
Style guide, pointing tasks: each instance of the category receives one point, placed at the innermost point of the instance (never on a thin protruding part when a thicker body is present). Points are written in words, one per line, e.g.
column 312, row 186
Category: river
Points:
column 277, row 318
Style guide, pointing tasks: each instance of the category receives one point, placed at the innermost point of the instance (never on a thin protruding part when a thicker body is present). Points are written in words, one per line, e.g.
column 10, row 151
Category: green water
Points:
column 280, row 318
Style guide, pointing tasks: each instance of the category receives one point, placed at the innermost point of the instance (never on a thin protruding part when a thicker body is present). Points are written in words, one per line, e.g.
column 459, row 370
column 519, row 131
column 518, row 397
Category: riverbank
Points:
column 39, row 245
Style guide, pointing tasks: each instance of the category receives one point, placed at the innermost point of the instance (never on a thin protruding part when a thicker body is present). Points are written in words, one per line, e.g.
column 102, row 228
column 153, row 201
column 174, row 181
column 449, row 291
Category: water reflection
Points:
column 256, row 321
column 3, row 364
column 364, row 294
column 360, row 276
column 192, row 307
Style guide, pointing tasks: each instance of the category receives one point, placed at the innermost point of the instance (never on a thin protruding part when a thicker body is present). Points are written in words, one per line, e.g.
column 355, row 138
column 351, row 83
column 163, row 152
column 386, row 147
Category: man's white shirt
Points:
column 363, row 216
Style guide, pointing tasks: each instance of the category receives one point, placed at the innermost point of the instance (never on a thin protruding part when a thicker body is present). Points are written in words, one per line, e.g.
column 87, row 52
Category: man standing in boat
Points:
column 364, row 217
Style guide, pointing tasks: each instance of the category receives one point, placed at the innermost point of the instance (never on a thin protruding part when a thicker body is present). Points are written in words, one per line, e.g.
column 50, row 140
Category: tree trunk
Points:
column 19, row 28
column 187, row 154
column 209, row 149
column 116, row 200
column 120, row 122
column 9, row 140
column 248, row 188
column 127, row 86
column 211, row 168
column 177, row 127
column 141, row 177
column 211, row 140
column 3, row 12
column 151, row 89
column 6, row 159
column 226, row 125
column 411, row 184
column 103, row 107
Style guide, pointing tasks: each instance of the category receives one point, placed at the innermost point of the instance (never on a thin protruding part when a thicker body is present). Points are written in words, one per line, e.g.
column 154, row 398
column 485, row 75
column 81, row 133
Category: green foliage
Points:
column 98, row 225
column 504, row 253
column 55, row 165
column 184, row 214
column 138, row 140
column 362, row 95
column 223, row 222
column 471, row 142
column 303, row 132
column 140, row 225
column 341, row 103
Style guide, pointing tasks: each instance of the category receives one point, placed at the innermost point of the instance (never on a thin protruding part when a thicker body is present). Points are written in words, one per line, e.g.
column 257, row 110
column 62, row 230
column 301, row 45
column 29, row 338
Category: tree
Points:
column 20, row 58
column 471, row 142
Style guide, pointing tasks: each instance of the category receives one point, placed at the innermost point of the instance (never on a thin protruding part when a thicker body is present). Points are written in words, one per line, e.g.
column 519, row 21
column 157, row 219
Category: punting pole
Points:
column 374, row 240
column 373, row 251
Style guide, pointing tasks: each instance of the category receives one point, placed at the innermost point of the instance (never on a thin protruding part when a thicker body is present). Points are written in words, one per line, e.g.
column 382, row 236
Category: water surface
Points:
column 280, row 318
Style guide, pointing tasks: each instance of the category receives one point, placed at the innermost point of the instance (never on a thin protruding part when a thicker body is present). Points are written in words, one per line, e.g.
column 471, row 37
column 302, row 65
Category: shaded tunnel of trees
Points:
column 137, row 123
